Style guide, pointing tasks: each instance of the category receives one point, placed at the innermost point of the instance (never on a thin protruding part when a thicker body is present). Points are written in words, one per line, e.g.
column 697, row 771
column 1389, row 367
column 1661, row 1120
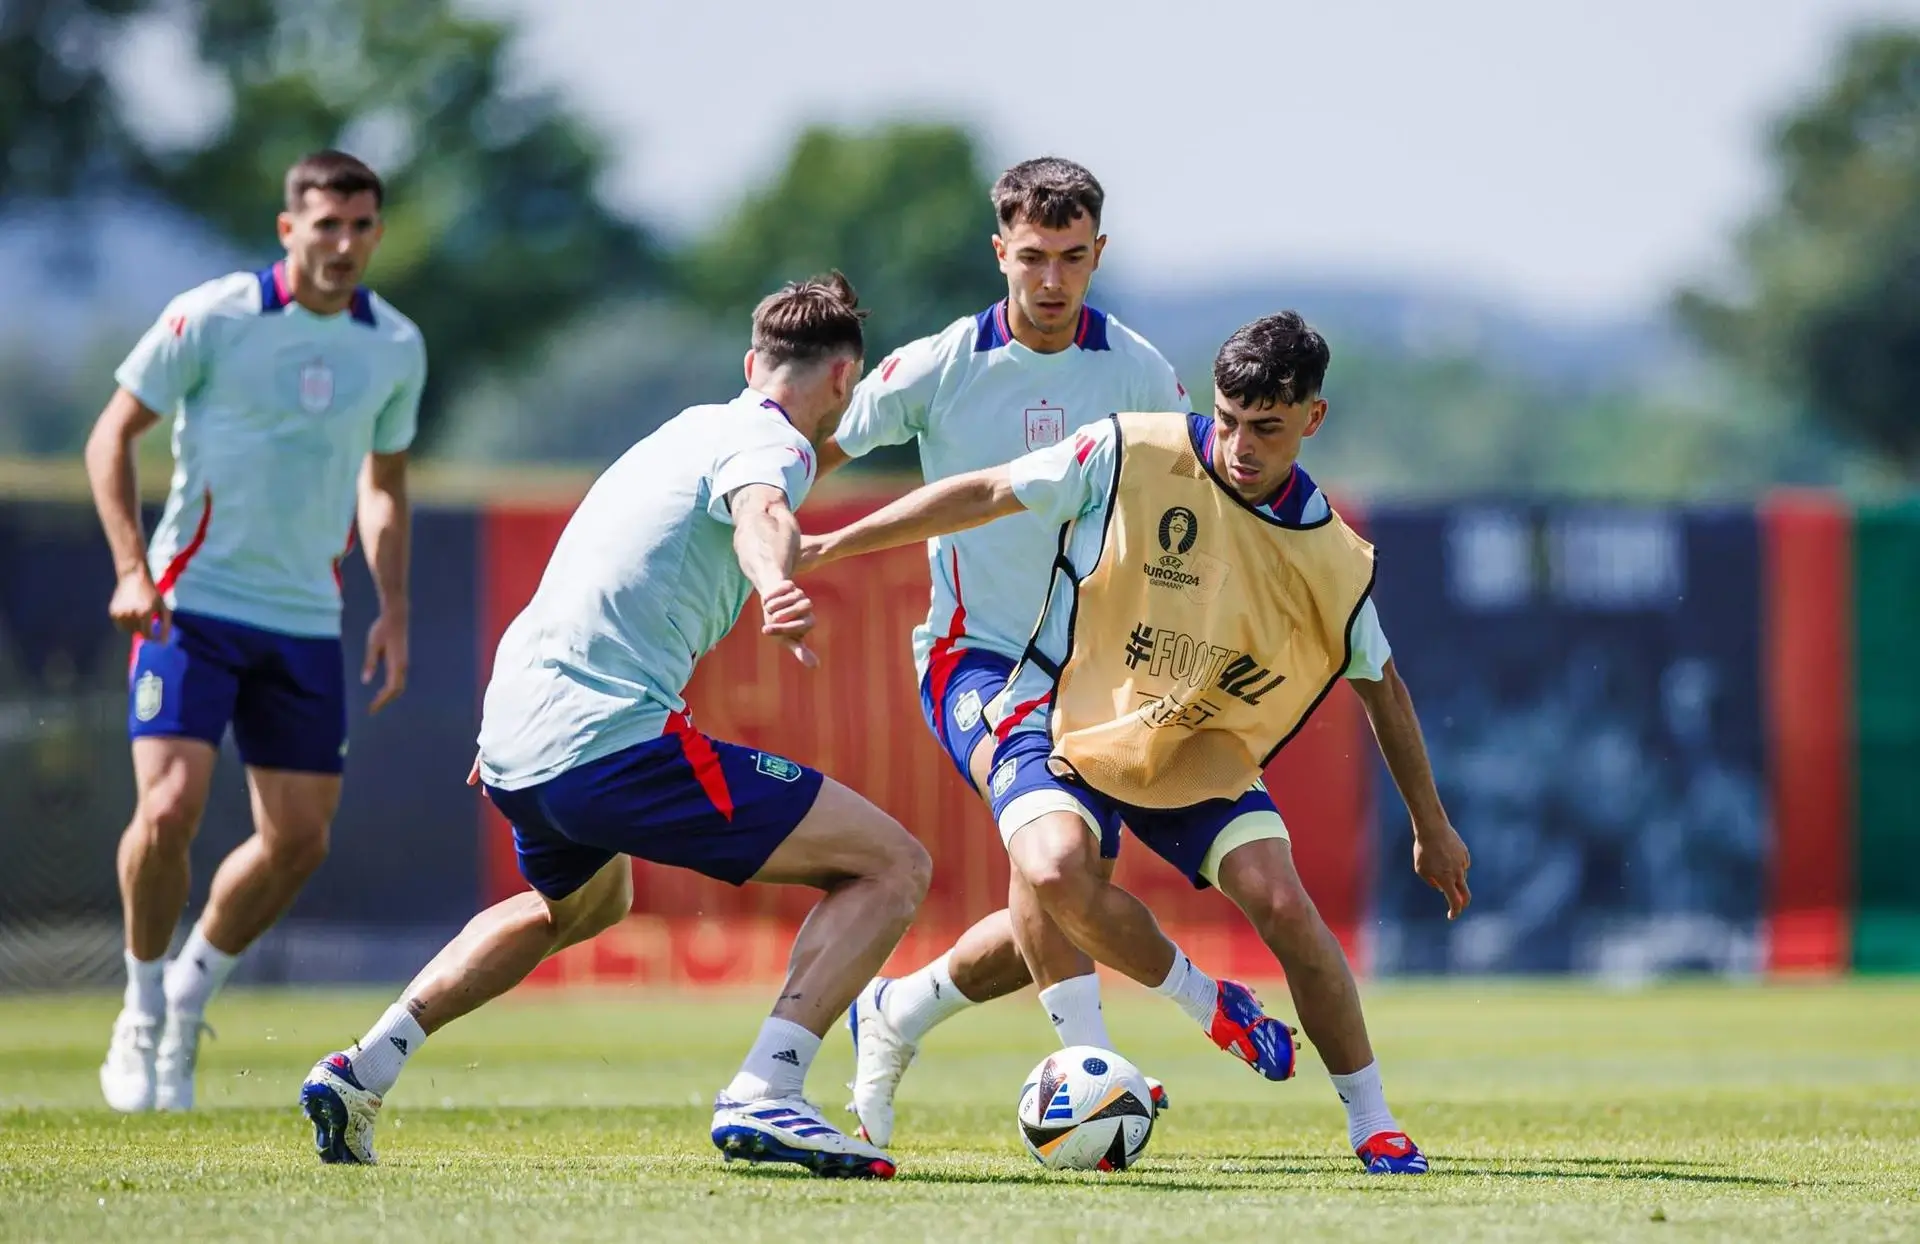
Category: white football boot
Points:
column 127, row 1077
column 881, row 1057
column 342, row 1112
column 176, row 1059
column 790, row 1129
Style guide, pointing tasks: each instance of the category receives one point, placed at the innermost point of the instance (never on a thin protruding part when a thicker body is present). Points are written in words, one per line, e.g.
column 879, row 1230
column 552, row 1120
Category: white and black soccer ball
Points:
column 1085, row 1109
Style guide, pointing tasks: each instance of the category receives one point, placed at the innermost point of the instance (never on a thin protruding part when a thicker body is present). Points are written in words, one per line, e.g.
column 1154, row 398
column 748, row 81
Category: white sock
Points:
column 379, row 1056
column 917, row 1002
column 1074, row 1007
column 1194, row 991
column 1366, row 1103
column 777, row 1064
column 197, row 973
column 146, row 988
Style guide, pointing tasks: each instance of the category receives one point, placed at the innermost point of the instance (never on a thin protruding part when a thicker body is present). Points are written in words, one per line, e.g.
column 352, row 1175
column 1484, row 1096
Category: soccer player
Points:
column 1023, row 374
column 1207, row 599
column 586, row 747
column 294, row 394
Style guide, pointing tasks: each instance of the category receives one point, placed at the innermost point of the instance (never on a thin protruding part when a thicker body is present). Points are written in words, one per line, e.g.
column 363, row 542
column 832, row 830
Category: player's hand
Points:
column 812, row 552
column 787, row 615
column 1441, row 859
column 386, row 641
column 473, row 774
column 138, row 608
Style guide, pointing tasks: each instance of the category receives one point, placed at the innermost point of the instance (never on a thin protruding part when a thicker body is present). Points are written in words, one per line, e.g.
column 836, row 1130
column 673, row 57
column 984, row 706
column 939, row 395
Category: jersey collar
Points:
column 991, row 330
column 276, row 294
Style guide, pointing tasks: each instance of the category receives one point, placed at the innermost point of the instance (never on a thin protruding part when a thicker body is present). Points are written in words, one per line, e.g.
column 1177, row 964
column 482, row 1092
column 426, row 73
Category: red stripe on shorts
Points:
column 698, row 749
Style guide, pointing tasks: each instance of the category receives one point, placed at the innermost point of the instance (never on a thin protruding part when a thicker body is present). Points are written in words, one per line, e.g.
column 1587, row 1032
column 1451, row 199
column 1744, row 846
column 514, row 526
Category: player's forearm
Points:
column 1396, row 727
column 115, row 483
column 936, row 510
column 385, row 517
column 767, row 543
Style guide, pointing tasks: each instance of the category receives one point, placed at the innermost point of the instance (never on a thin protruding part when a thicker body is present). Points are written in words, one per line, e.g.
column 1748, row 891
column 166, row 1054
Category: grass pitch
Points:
column 1698, row 1112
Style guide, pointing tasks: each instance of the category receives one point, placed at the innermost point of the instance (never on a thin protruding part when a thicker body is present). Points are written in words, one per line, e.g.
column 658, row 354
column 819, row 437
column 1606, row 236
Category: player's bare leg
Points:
column 253, row 888
column 258, row 881
column 497, row 950
column 172, row 777
column 502, row 945
column 1060, row 858
column 990, row 960
column 1261, row 880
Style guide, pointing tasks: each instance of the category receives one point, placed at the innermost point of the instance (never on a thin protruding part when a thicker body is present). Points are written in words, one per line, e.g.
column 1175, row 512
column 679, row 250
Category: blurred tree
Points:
column 57, row 119
column 495, row 232
column 1830, row 309
column 902, row 210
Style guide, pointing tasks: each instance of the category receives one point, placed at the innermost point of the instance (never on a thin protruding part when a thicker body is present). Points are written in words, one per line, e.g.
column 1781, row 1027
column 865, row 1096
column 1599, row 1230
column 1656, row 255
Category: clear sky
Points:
column 1576, row 156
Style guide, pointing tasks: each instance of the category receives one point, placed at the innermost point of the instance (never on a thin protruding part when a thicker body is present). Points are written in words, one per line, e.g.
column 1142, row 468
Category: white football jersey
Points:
column 973, row 397
column 274, row 409
column 643, row 583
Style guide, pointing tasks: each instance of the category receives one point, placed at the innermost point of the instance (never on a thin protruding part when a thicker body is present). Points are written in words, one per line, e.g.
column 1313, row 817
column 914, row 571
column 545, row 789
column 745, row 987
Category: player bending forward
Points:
column 586, row 747
column 1206, row 599
column 295, row 392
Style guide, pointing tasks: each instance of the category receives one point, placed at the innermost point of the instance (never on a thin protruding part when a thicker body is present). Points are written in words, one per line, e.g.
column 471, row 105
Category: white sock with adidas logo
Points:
column 380, row 1055
column 777, row 1064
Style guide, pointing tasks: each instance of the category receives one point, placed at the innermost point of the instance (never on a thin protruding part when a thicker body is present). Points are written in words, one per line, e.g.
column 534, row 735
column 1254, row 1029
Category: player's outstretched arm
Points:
column 137, row 603
column 934, row 510
column 1439, row 856
column 385, row 517
column 766, row 540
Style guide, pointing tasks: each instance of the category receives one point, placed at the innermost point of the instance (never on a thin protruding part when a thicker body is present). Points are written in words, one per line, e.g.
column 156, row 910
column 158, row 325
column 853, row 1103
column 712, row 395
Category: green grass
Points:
column 1552, row 1111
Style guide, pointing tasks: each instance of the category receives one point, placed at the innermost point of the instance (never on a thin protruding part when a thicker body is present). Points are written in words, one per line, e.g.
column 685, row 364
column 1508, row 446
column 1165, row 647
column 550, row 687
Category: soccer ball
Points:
column 1085, row 1109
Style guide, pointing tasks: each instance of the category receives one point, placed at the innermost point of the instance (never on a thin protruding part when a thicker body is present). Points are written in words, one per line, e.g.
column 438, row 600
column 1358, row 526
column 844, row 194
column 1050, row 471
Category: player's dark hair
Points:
column 1278, row 360
column 335, row 172
column 805, row 321
column 1049, row 192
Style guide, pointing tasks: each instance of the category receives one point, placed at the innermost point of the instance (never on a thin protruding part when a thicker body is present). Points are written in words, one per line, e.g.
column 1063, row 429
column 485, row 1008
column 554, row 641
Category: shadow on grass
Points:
column 1229, row 1173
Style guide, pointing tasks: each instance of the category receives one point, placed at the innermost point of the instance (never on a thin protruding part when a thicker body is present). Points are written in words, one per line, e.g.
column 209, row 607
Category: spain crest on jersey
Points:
column 1046, row 425
column 316, row 387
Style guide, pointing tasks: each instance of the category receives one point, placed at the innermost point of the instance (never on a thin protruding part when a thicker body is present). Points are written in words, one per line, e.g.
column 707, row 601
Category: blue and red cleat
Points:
column 1257, row 1039
column 1392, row 1153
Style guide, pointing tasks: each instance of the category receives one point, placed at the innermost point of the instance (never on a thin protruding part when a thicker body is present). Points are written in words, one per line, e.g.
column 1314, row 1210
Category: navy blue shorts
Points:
column 682, row 799
column 284, row 695
column 1193, row 839
column 954, row 696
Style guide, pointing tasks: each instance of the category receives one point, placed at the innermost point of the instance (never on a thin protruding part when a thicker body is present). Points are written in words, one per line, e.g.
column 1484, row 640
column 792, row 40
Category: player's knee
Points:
column 170, row 814
column 300, row 853
column 909, row 868
column 1275, row 903
column 1056, row 863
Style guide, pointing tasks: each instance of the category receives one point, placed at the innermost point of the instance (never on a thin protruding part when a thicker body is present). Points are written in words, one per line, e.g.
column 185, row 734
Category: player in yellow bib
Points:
column 1205, row 599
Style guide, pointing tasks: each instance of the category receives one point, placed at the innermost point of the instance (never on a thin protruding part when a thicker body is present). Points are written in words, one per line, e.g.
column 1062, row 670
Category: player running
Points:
column 1025, row 373
column 1206, row 599
column 586, row 747
column 294, row 394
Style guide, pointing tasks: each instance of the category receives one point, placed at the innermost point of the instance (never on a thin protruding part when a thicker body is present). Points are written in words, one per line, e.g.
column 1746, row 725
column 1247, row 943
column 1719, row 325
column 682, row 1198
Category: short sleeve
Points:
column 1063, row 482
column 168, row 363
column 890, row 405
column 785, row 462
column 399, row 419
column 1369, row 644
